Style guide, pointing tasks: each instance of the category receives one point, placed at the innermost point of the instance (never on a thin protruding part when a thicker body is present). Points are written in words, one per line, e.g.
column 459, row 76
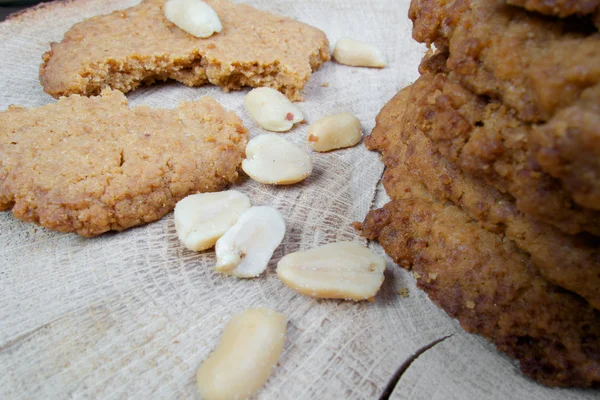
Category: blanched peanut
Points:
column 359, row 54
column 201, row 219
column 245, row 356
column 335, row 132
column 272, row 110
column 244, row 250
column 343, row 270
column 193, row 16
column 274, row 160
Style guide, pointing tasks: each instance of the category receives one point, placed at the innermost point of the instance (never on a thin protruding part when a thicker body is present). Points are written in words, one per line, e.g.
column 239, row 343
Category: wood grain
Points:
column 131, row 315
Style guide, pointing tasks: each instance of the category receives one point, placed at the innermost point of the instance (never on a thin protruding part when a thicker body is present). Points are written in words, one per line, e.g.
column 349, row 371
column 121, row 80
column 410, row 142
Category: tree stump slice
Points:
column 132, row 314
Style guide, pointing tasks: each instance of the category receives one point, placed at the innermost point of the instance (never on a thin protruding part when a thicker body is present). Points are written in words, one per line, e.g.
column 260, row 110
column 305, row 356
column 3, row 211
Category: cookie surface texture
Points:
column 138, row 45
column 91, row 165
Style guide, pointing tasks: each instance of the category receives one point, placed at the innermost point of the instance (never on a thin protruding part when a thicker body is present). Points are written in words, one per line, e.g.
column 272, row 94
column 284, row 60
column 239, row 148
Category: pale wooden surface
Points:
column 131, row 315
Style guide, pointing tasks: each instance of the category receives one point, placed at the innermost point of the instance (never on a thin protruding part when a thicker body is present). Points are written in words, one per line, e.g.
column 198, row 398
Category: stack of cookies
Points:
column 493, row 168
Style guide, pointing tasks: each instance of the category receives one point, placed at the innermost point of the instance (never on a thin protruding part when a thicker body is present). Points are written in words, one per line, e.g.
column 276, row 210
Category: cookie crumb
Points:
column 431, row 276
column 403, row 292
column 356, row 225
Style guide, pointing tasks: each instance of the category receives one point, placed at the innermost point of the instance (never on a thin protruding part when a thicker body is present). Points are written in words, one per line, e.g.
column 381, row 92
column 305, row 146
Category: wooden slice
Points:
column 132, row 314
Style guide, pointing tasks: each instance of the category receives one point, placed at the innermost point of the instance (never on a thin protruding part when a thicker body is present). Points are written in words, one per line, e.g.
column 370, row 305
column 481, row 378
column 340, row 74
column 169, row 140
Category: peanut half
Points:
column 201, row 219
column 274, row 160
column 244, row 250
column 245, row 357
column 343, row 270
column 358, row 54
column 335, row 132
column 272, row 110
column 193, row 16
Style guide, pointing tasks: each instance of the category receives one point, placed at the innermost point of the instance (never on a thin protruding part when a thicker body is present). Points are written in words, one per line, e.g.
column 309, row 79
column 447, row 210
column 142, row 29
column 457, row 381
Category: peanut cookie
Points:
column 138, row 45
column 569, row 261
column 534, row 64
column 484, row 138
column 476, row 273
column 492, row 288
column 90, row 165
column 559, row 8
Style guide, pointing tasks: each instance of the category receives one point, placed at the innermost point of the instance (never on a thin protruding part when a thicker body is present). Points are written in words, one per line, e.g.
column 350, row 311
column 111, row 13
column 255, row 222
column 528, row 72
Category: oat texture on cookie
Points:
column 254, row 48
column 90, row 165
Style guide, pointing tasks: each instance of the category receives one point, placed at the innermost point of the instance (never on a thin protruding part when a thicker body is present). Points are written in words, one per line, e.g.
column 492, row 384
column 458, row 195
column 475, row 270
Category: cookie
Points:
column 484, row 281
column 91, row 165
column 456, row 234
column 138, row 45
column 559, row 8
column 568, row 147
column 569, row 261
column 534, row 64
column 484, row 138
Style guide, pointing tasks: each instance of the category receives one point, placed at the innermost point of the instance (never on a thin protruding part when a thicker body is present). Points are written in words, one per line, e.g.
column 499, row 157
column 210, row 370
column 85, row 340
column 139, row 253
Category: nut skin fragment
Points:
column 272, row 110
column 193, row 16
column 271, row 159
column 202, row 218
column 245, row 357
column 334, row 132
column 342, row 270
column 245, row 249
column 358, row 54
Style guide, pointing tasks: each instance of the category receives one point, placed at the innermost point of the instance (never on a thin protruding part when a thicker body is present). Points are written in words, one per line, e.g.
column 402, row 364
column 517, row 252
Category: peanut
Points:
column 274, row 160
column 272, row 110
column 334, row 132
column 244, row 250
column 358, row 54
column 343, row 270
column 245, row 357
column 202, row 218
column 193, row 16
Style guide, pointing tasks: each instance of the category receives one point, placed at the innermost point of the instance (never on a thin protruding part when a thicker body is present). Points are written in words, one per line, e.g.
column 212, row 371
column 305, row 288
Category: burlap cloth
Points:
column 132, row 314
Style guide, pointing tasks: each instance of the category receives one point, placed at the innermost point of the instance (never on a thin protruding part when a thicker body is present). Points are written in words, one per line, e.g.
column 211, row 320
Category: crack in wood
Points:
column 11, row 342
column 389, row 389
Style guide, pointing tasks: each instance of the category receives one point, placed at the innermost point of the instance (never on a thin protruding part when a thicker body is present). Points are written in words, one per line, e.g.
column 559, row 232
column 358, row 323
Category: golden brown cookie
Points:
column 492, row 288
column 477, row 275
column 484, row 138
column 533, row 69
column 559, row 8
column 568, row 147
column 569, row 261
column 533, row 64
column 90, row 165
column 138, row 45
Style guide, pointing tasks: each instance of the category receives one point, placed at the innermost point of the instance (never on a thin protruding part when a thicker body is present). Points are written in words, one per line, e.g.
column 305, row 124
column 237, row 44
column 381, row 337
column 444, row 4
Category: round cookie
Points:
column 90, row 165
